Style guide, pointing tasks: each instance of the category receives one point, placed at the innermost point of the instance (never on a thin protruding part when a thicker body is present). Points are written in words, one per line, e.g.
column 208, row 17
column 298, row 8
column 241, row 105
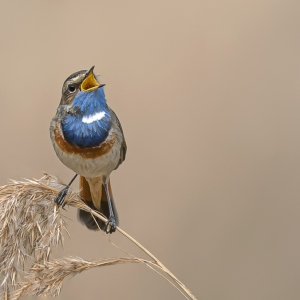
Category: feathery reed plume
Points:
column 46, row 278
column 31, row 225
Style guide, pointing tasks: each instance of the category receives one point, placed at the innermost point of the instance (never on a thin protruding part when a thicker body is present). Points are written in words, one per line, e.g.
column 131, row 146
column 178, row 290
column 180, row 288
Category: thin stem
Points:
column 156, row 260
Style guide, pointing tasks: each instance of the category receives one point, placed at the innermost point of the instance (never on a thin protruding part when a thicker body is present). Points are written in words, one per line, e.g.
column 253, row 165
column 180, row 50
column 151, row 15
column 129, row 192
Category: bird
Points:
column 88, row 138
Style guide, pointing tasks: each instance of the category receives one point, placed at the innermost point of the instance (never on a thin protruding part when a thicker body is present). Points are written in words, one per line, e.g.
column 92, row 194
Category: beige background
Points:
column 208, row 96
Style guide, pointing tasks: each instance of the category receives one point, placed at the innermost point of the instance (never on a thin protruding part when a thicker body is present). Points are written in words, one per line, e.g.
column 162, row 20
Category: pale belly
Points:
column 90, row 167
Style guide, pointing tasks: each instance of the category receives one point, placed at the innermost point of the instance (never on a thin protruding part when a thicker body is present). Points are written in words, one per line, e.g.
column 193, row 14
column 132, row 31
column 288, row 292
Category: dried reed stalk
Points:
column 31, row 225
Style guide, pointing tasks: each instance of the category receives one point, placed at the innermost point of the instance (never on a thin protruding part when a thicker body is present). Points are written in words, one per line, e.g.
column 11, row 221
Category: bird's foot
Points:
column 60, row 198
column 110, row 225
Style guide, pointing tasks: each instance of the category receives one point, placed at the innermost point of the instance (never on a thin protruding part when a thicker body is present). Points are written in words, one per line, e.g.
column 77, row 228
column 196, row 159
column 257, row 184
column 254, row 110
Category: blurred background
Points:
column 208, row 96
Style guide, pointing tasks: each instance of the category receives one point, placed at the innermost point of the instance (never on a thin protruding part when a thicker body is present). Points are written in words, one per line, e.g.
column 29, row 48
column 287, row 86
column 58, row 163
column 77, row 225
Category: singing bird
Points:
column 88, row 138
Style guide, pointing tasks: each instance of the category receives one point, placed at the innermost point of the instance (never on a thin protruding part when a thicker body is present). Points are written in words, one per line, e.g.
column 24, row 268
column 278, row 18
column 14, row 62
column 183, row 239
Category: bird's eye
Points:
column 71, row 88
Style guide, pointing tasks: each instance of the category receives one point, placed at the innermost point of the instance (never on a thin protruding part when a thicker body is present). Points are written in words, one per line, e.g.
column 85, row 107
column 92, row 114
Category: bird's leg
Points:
column 110, row 225
column 60, row 198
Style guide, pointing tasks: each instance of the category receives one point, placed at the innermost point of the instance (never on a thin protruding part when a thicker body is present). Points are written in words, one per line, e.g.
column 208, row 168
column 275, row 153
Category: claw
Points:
column 110, row 225
column 60, row 198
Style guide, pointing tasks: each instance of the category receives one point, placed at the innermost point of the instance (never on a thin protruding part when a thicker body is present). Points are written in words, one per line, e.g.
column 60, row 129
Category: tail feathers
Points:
column 86, row 218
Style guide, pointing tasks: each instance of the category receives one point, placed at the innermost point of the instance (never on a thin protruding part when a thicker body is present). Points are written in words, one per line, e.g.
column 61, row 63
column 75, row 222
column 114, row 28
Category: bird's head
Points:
column 82, row 81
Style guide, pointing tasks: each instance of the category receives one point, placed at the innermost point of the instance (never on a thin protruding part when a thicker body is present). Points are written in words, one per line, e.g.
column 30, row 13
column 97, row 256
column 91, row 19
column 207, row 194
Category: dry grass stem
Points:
column 77, row 202
column 31, row 225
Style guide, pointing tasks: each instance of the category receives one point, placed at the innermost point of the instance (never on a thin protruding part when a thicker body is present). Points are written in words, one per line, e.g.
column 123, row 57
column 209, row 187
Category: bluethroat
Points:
column 88, row 138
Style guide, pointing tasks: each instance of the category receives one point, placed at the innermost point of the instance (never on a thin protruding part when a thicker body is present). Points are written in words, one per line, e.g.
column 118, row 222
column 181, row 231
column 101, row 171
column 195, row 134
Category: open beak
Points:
column 90, row 83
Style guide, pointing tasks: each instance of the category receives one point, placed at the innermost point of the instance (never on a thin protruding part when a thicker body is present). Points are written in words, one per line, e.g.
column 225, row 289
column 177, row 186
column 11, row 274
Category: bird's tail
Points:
column 93, row 192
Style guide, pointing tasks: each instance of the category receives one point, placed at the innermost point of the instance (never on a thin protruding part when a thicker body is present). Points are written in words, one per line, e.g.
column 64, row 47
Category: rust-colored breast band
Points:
column 92, row 152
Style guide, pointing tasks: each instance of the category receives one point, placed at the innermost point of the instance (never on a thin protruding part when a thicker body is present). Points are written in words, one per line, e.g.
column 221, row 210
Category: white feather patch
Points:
column 92, row 118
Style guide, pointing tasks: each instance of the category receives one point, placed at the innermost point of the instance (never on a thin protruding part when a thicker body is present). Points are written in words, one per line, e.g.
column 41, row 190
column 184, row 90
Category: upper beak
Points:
column 90, row 83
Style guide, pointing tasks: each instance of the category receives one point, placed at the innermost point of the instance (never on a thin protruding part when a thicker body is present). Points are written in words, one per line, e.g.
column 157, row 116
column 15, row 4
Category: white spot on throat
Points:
column 92, row 118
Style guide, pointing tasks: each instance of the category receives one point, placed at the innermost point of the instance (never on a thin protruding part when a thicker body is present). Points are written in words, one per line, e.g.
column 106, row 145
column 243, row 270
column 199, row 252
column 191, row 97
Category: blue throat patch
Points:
column 91, row 122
